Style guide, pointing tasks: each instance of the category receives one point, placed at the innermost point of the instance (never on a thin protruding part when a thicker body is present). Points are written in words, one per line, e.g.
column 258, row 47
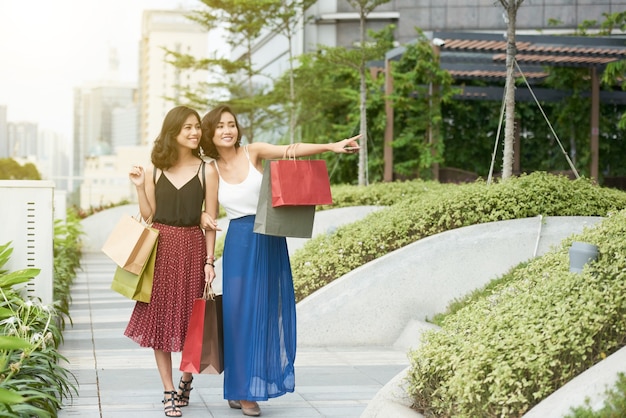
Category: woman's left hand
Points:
column 208, row 223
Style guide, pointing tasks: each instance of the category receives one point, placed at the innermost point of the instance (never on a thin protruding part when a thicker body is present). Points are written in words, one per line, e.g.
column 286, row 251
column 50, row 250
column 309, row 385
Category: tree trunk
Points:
column 251, row 121
column 363, row 178
column 509, row 95
column 292, row 93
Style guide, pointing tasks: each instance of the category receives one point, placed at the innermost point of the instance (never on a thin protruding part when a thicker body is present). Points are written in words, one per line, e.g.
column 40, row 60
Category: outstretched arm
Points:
column 265, row 151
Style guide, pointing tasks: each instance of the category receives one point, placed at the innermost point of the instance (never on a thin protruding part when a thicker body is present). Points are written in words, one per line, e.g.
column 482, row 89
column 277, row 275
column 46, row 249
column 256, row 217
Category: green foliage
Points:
column 573, row 117
column 504, row 352
column 12, row 170
column 614, row 72
column 469, row 129
column 419, row 87
column 326, row 96
column 614, row 407
column 420, row 209
column 381, row 194
column 238, row 81
column 33, row 381
column 67, row 252
column 327, row 99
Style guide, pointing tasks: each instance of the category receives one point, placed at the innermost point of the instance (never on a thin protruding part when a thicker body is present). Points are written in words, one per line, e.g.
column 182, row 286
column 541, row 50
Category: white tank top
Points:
column 240, row 199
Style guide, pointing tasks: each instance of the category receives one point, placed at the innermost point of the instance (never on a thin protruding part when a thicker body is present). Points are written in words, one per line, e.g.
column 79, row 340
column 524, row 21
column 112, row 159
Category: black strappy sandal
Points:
column 184, row 389
column 171, row 409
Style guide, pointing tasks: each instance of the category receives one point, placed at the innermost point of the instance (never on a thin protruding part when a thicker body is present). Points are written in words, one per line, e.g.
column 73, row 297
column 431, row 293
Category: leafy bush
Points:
column 420, row 209
column 33, row 383
column 504, row 352
column 67, row 250
column 381, row 194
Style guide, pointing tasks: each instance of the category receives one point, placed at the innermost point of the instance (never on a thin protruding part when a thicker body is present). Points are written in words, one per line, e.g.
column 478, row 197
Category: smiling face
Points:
column 220, row 131
column 226, row 133
column 190, row 133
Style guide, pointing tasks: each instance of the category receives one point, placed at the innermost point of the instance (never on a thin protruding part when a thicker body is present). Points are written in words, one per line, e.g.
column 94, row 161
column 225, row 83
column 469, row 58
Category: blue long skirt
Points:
column 259, row 314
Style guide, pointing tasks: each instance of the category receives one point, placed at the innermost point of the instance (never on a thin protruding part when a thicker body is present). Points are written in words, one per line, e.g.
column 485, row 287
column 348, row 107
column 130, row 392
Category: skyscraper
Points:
column 94, row 108
column 160, row 83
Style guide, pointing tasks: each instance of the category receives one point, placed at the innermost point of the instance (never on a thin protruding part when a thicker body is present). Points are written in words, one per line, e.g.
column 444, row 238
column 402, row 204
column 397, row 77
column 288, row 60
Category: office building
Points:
column 22, row 140
column 336, row 23
column 160, row 83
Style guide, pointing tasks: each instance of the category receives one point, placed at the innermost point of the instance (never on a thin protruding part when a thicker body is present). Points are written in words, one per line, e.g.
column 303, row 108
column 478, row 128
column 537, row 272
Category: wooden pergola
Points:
column 469, row 55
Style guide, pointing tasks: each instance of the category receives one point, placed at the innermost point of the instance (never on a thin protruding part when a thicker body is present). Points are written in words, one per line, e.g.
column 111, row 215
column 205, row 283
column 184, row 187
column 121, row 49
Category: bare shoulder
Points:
column 210, row 168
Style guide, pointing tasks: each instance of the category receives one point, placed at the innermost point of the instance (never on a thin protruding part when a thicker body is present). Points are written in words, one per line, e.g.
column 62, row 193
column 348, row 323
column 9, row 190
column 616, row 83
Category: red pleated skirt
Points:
column 178, row 281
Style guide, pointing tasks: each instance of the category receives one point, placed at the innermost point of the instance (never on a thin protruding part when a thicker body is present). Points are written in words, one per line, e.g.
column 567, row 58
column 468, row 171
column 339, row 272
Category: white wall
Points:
column 27, row 211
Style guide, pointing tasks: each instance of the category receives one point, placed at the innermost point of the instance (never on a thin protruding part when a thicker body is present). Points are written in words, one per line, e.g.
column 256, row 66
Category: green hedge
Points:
column 420, row 209
column 505, row 352
column 34, row 380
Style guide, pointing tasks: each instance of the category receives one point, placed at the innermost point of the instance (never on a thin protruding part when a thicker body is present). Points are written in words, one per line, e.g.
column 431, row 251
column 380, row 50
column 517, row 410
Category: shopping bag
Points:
column 282, row 221
column 203, row 350
column 130, row 243
column 136, row 286
column 300, row 182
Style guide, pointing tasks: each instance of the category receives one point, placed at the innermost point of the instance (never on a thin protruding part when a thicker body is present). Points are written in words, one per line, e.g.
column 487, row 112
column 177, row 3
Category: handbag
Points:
column 299, row 182
column 203, row 350
column 282, row 221
column 130, row 243
column 136, row 286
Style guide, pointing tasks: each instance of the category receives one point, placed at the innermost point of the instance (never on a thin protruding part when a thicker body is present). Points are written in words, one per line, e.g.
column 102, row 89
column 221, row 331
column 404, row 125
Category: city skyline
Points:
column 50, row 48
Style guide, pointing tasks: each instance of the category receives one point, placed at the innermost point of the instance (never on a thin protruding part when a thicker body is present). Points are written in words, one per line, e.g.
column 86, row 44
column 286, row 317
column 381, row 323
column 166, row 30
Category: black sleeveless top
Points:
column 179, row 207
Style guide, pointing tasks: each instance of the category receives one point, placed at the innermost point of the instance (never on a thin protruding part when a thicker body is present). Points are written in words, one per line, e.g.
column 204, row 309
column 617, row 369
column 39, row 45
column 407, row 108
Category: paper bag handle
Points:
column 208, row 293
column 139, row 219
column 290, row 147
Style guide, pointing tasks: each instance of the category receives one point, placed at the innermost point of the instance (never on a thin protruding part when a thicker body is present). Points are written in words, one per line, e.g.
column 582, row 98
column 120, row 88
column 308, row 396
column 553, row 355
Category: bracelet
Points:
column 209, row 264
column 210, row 257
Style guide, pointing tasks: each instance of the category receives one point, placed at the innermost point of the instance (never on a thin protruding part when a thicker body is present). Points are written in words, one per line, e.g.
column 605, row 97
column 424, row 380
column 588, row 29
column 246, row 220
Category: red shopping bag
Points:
column 299, row 182
column 203, row 350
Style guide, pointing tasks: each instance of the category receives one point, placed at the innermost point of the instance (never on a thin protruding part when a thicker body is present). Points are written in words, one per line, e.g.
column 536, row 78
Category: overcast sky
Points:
column 48, row 47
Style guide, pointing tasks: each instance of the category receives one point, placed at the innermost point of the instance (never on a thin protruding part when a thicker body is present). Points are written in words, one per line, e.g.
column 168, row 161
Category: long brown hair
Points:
column 165, row 151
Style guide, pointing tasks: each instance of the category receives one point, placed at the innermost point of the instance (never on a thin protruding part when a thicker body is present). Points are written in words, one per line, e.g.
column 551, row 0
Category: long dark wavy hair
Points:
column 165, row 151
column 209, row 124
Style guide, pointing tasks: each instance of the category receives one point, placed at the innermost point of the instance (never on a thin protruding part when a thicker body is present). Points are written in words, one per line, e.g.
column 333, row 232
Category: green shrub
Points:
column 381, row 194
column 420, row 209
column 504, row 352
column 33, row 382
column 67, row 248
